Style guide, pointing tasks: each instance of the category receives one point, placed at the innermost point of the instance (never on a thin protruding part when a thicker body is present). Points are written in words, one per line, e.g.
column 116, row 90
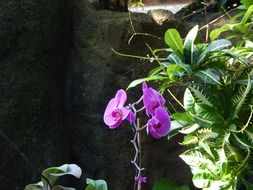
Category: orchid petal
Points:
column 108, row 118
column 121, row 98
column 125, row 112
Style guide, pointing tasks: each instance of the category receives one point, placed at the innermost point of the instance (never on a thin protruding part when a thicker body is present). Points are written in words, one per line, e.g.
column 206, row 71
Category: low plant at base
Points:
column 51, row 175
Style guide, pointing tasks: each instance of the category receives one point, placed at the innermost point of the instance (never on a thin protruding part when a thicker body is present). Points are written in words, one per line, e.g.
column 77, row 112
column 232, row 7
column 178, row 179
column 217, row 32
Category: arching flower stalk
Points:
column 139, row 179
column 158, row 124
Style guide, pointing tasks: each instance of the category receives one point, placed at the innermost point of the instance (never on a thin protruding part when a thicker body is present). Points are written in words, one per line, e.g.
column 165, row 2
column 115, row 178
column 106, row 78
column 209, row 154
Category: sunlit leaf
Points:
column 214, row 46
column 174, row 41
column 190, row 50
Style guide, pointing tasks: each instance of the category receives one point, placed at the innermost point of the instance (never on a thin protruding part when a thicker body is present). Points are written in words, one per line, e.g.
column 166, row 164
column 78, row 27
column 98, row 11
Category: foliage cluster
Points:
column 218, row 105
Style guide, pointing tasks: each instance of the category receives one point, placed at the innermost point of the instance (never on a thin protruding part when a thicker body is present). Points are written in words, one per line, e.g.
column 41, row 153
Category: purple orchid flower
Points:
column 140, row 179
column 151, row 99
column 115, row 111
column 159, row 125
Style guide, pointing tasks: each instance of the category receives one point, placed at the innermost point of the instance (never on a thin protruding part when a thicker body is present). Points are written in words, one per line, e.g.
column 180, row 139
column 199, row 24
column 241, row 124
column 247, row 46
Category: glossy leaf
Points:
column 188, row 100
column 189, row 129
column 214, row 46
column 53, row 173
column 96, row 184
column 209, row 76
column 190, row 50
column 174, row 41
column 38, row 186
column 247, row 15
column 139, row 81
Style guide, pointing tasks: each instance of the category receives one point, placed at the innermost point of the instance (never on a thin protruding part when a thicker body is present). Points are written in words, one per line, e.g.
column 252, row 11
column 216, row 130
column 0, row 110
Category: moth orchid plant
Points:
column 158, row 124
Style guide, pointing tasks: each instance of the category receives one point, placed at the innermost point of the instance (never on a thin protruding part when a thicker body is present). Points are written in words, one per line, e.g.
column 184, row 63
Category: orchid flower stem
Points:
column 139, row 145
column 139, row 110
column 141, row 128
column 136, row 141
column 138, row 101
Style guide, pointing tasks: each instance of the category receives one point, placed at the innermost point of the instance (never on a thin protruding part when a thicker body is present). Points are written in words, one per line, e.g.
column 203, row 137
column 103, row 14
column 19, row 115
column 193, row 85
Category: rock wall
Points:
column 94, row 75
column 34, row 36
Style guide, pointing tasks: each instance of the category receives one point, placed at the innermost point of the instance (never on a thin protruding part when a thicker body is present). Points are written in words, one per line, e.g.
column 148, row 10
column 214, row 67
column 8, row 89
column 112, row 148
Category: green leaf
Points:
column 207, row 116
column 53, row 173
column 174, row 41
column 190, row 50
column 240, row 97
column 96, row 184
column 236, row 56
column 190, row 139
column 173, row 58
column 248, row 14
column 189, row 129
column 217, row 32
column 183, row 116
column 150, row 78
column 209, row 76
column 38, row 186
column 201, row 180
column 243, row 143
column 200, row 94
column 188, row 100
column 165, row 184
column 214, row 46
column 195, row 158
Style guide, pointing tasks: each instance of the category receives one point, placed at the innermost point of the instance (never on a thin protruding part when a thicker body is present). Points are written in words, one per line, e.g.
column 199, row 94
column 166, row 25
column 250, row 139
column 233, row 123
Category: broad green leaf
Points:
column 214, row 46
column 155, row 71
column 183, row 116
column 96, row 184
column 175, row 71
column 190, row 139
column 165, row 184
column 38, row 186
column 150, row 78
column 188, row 100
column 202, row 180
column 195, row 158
column 190, row 50
column 203, row 122
column 236, row 56
column 209, row 76
column 53, row 173
column 174, row 41
column 200, row 94
column 247, row 15
column 189, row 129
column 207, row 112
column 217, row 32
column 242, row 142
column 173, row 58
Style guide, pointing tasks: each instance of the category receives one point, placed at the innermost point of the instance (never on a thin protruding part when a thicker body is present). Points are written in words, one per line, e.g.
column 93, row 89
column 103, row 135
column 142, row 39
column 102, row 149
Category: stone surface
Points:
column 33, row 40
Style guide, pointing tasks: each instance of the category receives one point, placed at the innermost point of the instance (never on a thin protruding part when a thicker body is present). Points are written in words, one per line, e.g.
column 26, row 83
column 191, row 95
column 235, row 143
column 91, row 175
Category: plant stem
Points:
column 136, row 141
